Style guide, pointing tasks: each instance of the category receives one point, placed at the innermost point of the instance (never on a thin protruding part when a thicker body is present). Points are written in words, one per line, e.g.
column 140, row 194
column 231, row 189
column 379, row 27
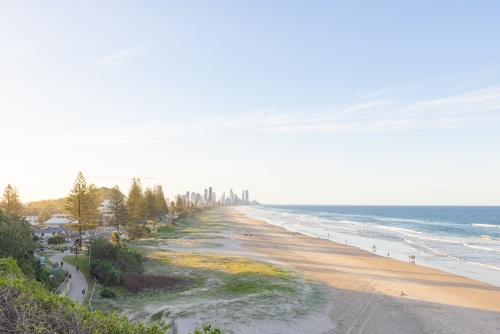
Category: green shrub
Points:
column 207, row 329
column 28, row 308
column 56, row 240
column 107, row 293
column 113, row 277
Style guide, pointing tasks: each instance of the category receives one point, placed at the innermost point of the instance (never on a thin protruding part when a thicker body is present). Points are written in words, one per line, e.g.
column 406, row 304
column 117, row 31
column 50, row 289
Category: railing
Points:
column 64, row 285
column 92, row 293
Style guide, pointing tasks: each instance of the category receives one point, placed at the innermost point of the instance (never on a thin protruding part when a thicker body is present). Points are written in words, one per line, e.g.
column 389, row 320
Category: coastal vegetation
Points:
column 10, row 203
column 219, row 289
column 26, row 307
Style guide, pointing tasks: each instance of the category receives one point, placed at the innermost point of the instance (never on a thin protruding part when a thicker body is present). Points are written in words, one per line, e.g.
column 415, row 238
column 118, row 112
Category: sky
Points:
column 303, row 102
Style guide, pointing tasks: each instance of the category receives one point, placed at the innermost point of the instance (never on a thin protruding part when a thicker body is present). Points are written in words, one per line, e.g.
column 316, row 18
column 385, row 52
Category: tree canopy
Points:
column 118, row 208
column 135, row 203
column 81, row 205
column 10, row 203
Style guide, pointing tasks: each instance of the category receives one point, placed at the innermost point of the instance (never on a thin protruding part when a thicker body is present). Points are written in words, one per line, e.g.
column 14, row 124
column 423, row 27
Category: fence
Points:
column 64, row 287
column 92, row 293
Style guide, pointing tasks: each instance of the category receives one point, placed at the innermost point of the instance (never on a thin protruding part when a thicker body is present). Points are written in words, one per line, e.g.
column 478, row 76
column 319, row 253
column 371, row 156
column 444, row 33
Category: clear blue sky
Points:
column 311, row 102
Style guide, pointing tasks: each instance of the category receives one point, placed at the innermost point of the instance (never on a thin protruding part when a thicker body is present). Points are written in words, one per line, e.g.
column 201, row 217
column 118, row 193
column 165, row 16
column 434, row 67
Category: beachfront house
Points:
column 56, row 222
column 31, row 217
column 45, row 233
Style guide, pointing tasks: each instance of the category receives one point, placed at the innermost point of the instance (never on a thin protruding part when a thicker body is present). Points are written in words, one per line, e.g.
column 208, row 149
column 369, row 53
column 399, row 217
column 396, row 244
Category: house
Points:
column 31, row 217
column 60, row 215
column 56, row 222
column 45, row 233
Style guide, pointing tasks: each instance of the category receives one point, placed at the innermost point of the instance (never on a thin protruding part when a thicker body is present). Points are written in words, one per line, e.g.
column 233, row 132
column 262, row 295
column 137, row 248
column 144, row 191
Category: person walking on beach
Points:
column 387, row 254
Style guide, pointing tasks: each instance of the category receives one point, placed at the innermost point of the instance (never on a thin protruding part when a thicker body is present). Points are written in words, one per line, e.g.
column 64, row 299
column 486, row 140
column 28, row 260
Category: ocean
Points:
column 463, row 240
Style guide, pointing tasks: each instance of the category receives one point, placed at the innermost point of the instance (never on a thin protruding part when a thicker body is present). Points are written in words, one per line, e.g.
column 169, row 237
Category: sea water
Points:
column 458, row 239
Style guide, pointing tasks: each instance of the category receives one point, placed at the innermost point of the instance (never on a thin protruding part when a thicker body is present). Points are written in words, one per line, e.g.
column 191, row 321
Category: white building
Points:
column 56, row 222
column 60, row 215
column 31, row 217
column 45, row 233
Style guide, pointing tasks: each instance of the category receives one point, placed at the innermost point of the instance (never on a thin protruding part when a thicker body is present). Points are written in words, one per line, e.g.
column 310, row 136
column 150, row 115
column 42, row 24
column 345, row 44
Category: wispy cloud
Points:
column 118, row 58
column 475, row 108
column 102, row 176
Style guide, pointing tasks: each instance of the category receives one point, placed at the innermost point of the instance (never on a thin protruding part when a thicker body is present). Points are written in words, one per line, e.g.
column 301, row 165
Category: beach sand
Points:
column 366, row 288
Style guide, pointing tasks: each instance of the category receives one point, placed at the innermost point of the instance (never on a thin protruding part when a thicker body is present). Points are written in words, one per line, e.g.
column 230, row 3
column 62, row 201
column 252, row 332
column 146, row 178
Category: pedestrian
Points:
column 387, row 254
column 61, row 263
column 83, row 293
column 76, row 269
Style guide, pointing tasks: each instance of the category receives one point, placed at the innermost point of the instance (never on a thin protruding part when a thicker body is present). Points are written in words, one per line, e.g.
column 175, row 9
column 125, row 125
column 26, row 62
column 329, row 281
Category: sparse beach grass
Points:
column 224, row 290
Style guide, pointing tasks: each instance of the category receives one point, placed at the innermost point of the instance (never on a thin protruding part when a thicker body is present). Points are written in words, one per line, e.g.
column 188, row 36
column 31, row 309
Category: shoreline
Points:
column 356, row 275
column 400, row 251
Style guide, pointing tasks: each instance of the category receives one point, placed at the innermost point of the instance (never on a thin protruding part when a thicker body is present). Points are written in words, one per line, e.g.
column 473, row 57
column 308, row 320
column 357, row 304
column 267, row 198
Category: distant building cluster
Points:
column 209, row 197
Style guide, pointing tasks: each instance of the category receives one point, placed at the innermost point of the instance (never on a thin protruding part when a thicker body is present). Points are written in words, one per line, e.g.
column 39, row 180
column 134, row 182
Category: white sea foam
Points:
column 486, row 225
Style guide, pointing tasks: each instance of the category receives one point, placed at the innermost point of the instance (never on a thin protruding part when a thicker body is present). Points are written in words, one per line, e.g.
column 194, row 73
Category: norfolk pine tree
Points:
column 161, row 204
column 79, row 205
column 118, row 208
column 11, row 204
column 135, row 202
column 92, row 211
column 150, row 204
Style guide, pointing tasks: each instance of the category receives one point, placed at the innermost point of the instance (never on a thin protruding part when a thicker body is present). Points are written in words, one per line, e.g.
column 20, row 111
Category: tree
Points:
column 118, row 208
column 43, row 216
column 92, row 211
column 16, row 240
column 10, row 203
column 135, row 203
column 150, row 204
column 56, row 240
column 179, row 205
column 161, row 203
column 81, row 206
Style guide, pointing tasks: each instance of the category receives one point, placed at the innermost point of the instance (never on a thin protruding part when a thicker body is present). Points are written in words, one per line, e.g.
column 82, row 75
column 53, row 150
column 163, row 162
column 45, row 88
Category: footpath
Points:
column 77, row 282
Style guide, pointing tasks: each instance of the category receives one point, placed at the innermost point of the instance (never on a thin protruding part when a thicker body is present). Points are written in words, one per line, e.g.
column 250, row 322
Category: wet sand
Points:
column 366, row 288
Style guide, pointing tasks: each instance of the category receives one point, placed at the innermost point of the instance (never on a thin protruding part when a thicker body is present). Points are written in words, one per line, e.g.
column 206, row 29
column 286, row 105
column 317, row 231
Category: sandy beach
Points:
column 318, row 286
column 366, row 288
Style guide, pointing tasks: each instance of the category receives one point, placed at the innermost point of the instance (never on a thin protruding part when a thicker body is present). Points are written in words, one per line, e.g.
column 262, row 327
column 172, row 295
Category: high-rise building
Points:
column 187, row 196
column 198, row 197
column 205, row 196
column 210, row 198
column 247, row 199
column 193, row 196
column 214, row 198
column 231, row 197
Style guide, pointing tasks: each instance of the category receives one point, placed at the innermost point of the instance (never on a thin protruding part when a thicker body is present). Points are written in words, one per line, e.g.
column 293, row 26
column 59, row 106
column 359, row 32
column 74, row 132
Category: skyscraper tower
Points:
column 205, row 196
column 210, row 198
column 231, row 197
column 187, row 196
column 243, row 197
column 246, row 197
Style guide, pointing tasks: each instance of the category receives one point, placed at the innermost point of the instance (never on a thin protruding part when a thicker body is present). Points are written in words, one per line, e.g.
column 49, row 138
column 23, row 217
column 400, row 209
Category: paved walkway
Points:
column 77, row 282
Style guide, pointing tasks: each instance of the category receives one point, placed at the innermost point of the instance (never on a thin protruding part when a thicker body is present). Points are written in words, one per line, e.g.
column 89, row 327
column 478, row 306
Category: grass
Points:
column 214, row 262
column 226, row 289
